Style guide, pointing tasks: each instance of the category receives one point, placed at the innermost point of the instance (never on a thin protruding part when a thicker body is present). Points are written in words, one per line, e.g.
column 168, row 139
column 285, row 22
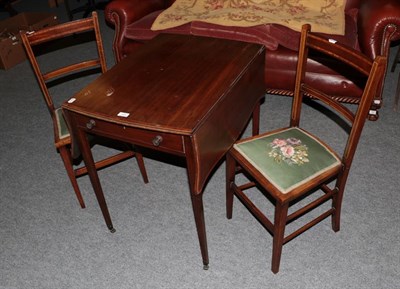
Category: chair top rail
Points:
column 61, row 30
column 341, row 52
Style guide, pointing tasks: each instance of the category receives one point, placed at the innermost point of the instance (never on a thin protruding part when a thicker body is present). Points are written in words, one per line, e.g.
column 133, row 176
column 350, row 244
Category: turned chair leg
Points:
column 281, row 211
column 336, row 215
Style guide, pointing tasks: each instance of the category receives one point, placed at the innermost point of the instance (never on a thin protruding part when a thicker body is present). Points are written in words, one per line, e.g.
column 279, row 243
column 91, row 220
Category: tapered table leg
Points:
column 94, row 178
column 198, row 211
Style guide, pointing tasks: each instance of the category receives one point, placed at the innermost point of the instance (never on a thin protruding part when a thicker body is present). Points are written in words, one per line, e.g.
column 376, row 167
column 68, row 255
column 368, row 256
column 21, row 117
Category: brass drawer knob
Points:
column 157, row 140
column 90, row 124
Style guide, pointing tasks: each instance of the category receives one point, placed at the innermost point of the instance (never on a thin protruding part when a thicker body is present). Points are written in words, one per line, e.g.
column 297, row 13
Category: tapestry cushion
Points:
column 324, row 16
column 288, row 158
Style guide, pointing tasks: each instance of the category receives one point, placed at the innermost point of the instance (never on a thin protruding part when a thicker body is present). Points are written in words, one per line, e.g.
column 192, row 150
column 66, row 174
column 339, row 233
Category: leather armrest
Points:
column 378, row 25
column 128, row 11
column 121, row 13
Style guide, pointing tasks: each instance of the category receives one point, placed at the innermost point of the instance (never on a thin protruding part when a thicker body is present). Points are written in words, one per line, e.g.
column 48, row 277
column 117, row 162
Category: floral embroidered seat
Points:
column 291, row 164
column 289, row 158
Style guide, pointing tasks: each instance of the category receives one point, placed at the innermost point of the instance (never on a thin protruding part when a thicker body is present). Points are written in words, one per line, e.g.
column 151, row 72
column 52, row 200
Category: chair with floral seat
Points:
column 68, row 37
column 290, row 164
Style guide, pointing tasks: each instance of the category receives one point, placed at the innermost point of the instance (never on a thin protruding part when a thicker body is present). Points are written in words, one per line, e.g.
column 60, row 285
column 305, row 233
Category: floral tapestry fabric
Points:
column 288, row 158
column 291, row 151
column 325, row 16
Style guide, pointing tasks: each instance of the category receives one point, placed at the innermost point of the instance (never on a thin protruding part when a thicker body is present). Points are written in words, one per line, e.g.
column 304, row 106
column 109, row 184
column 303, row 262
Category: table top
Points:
column 170, row 85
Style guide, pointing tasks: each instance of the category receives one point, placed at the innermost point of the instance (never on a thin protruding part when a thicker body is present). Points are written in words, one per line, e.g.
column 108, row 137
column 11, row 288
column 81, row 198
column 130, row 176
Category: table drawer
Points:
column 167, row 142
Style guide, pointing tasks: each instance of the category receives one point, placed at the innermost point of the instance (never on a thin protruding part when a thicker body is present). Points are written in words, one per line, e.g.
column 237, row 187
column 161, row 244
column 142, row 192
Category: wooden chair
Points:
column 62, row 139
column 290, row 164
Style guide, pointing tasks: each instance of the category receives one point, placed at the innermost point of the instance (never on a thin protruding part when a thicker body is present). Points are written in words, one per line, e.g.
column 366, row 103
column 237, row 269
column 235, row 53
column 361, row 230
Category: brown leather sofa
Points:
column 371, row 26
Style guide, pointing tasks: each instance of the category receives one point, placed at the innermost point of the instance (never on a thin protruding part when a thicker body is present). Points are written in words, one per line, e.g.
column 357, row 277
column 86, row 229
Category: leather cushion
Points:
column 273, row 35
column 270, row 35
column 261, row 34
column 328, row 75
